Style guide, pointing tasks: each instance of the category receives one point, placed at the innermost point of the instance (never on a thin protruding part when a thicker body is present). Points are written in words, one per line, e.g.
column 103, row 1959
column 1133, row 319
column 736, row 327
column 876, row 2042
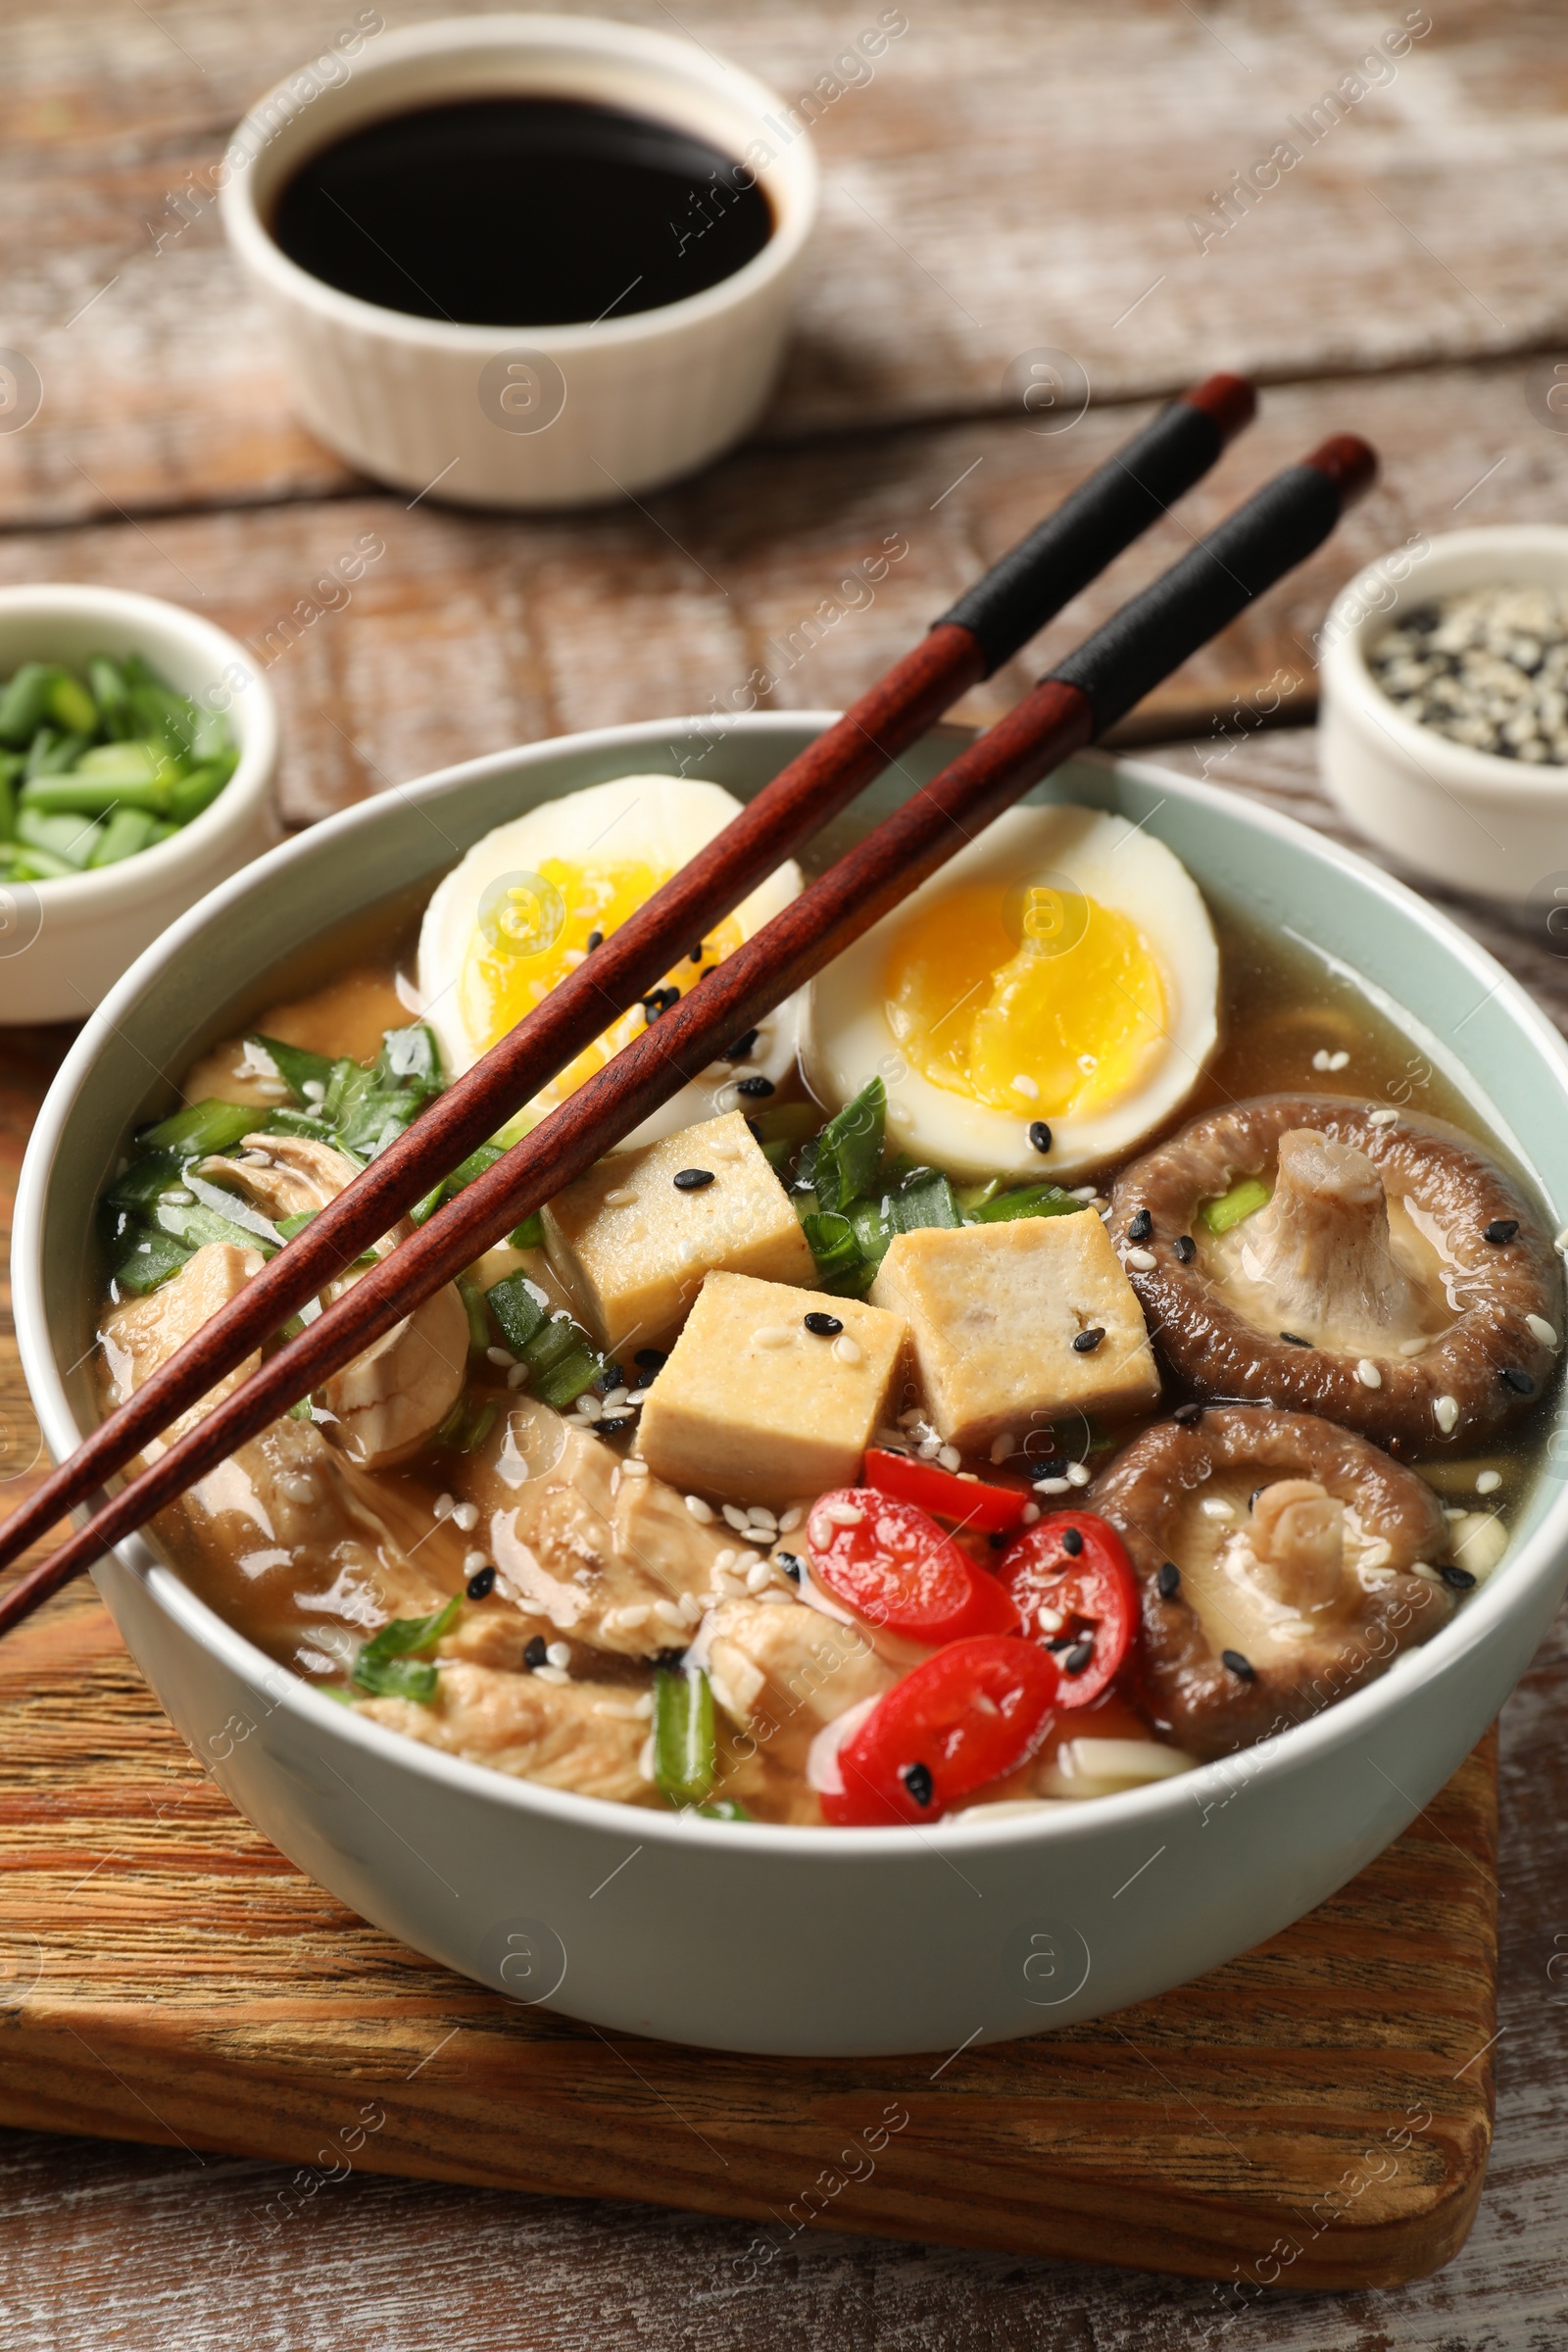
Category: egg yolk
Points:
column 534, row 929
column 1037, row 1000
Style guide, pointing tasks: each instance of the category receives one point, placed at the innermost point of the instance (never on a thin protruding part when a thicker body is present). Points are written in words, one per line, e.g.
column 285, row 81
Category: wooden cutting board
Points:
column 1316, row 2114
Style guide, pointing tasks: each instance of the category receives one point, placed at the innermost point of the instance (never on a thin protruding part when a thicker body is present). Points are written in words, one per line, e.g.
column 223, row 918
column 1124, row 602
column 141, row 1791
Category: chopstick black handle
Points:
column 1187, row 605
column 1103, row 515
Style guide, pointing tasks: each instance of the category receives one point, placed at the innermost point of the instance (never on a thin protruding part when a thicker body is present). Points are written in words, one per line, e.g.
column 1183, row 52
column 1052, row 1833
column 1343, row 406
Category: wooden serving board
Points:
column 1318, row 2113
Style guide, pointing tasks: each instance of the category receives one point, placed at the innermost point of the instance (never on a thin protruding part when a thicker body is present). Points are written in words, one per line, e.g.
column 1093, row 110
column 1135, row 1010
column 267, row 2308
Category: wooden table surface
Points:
column 1004, row 181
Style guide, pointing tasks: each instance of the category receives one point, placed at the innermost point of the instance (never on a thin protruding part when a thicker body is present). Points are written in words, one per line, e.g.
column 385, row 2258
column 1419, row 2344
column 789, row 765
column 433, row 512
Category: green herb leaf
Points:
column 384, row 1664
column 848, row 1149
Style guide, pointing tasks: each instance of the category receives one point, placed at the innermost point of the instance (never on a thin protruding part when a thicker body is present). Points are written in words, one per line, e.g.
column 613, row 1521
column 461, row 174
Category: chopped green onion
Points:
column 848, row 1149
column 148, row 1260
column 212, row 1125
column 196, row 1225
column 530, row 1235
column 1242, row 1200
column 1028, row 1200
column 73, row 838
column 52, row 753
column 725, row 1808
column 385, row 1665
column 483, row 1156
column 127, row 831
column 685, row 1749
column 289, row 1121
column 841, row 1263
column 299, row 1068
column 478, row 1316
column 24, row 702
column 197, row 792
column 145, row 1180
column 520, row 1307
column 109, row 690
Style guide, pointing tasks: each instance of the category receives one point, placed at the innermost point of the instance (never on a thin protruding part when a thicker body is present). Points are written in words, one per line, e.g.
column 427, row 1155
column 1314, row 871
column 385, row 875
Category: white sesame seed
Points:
column 758, row 1577
column 670, row 1614
column 559, row 1653
column 1542, row 1330
column 761, row 1516
column 928, row 1449
column 1488, row 1482
column 843, row 1514
column 1445, row 1413
column 908, row 1420
column 949, row 1457
column 735, row 1517
column 1368, row 1374
column 1320, row 1059
column 725, row 1558
column 616, row 1396
column 1421, row 1569
column 637, row 1396
column 442, row 1506
column 552, row 1674
column 772, row 1335
column 1085, row 1191
column 846, row 1350
column 633, row 1468
column 635, row 1614
column 1031, row 1512
column 1293, row 1628
column 465, row 1515
column 1052, row 1486
column 691, row 1607
column 1050, row 1621
column 1412, row 1347
column 792, row 1519
column 1380, row 1118
column 1078, row 1474
column 502, row 1357
column 517, row 1377
column 700, row 1511
column 1142, row 1261
column 1561, row 1242
column 473, row 1561
column 621, row 1198
column 1339, row 1060
column 1002, row 1446
column 1213, row 1507
column 1449, row 1513
column 1027, row 1087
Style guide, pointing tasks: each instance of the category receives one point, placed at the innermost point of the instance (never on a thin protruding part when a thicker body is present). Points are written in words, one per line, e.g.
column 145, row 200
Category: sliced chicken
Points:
column 399, row 1391
column 141, row 1334
column 780, row 1671
column 608, row 1555
column 586, row 1736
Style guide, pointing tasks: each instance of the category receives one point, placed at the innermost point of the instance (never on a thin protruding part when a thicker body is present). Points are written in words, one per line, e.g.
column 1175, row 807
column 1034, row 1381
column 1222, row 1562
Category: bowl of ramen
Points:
column 1021, row 1480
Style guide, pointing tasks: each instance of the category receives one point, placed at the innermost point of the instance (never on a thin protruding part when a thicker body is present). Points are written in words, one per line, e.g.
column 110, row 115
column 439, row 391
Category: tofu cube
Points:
column 632, row 1245
column 992, row 1312
column 755, row 1407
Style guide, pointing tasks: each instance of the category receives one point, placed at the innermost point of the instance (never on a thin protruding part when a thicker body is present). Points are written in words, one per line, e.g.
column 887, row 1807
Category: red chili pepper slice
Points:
column 895, row 1568
column 1074, row 1566
column 976, row 1710
column 971, row 1502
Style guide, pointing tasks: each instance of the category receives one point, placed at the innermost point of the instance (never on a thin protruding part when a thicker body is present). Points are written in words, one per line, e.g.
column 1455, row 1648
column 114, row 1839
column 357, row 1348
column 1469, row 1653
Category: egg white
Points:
column 662, row 821
column 846, row 1038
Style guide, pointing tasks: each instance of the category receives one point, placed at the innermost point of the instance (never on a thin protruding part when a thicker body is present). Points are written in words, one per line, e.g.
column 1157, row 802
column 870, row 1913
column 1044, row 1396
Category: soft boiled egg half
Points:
column 533, row 900
column 1035, row 1008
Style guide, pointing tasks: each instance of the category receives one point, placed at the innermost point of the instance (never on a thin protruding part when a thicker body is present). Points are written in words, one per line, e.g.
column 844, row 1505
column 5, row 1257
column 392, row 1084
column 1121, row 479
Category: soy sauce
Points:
column 521, row 212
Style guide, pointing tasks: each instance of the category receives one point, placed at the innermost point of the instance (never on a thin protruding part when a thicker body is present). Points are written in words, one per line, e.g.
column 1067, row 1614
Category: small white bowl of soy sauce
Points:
column 525, row 260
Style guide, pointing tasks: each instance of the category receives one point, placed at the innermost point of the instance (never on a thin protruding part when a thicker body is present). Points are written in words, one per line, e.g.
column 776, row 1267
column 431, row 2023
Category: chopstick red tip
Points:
column 1230, row 400
column 1350, row 464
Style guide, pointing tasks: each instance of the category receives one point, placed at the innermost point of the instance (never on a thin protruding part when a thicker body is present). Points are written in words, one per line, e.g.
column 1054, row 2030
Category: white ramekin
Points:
column 745, row 1935
column 590, row 413
column 1495, row 828
column 64, row 943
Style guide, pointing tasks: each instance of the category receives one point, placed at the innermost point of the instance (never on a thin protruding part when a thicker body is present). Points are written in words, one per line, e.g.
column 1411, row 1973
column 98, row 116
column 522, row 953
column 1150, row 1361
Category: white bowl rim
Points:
column 792, row 174
column 150, row 872
column 1346, row 669
column 1150, row 1806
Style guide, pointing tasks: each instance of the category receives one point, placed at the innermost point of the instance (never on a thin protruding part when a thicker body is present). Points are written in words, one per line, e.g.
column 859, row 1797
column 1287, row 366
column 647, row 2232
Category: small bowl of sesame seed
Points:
column 1445, row 713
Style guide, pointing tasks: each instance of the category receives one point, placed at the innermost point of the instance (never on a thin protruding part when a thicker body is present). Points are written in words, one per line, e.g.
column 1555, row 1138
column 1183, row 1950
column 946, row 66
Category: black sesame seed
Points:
column 741, row 1050
column 611, row 1428
column 534, row 1654
column 825, row 1327
column 650, row 1361
column 1142, row 1226
column 1503, row 1228
column 1054, row 1467
column 1072, row 1542
column 754, row 1087
column 790, row 1562
column 1185, row 1248
column 611, row 1377
column 1233, row 1659
column 1186, row 1413
column 1294, row 1339
column 997, row 1541
column 1459, row 1578
column 669, row 1661
column 692, row 1180
column 1169, row 1580
column 1520, row 1382
column 696, row 954
column 1078, row 1657
column 1061, row 1642
column 1040, row 1135
column 482, row 1583
column 595, row 939
column 1088, row 1340
column 917, row 1777
column 652, row 1012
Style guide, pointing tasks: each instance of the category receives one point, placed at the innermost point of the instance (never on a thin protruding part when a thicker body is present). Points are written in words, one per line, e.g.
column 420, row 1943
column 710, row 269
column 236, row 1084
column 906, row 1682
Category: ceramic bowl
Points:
column 752, row 1937
column 64, row 943
column 526, row 415
column 1495, row 828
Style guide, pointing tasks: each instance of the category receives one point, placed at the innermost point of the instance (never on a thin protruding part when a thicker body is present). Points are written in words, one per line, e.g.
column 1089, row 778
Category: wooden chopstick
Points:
column 983, row 629
column 1086, row 694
